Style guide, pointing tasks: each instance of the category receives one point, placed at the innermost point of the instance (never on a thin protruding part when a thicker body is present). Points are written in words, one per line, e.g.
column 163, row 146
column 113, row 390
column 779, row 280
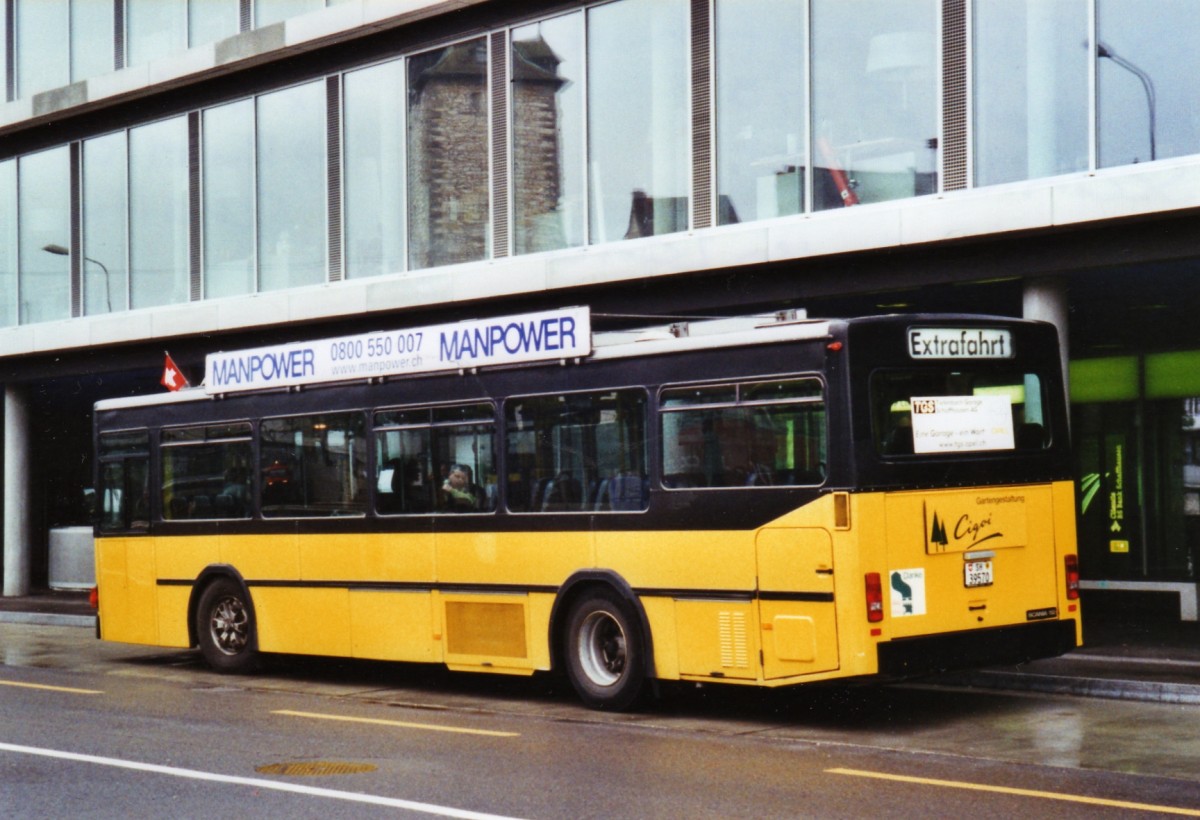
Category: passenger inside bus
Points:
column 458, row 491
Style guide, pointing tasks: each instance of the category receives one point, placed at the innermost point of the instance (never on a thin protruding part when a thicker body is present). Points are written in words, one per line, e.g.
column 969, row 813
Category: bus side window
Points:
column 582, row 452
column 124, row 485
column 435, row 459
column 753, row 434
column 313, row 466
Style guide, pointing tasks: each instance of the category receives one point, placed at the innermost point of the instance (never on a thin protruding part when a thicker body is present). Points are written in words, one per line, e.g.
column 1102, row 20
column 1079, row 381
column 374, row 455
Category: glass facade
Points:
column 1031, row 89
column 158, row 214
column 228, row 200
column 267, row 12
column 374, row 170
column 8, row 243
column 105, row 280
column 548, row 141
column 155, row 28
column 43, row 58
column 875, row 100
column 291, row 187
column 91, row 54
column 44, row 222
column 839, row 106
column 762, row 137
column 1146, row 103
column 448, row 196
column 637, row 119
column 212, row 20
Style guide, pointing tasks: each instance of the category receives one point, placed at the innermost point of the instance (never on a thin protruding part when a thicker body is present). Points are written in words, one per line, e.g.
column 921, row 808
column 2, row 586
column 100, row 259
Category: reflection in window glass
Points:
column 751, row 435
column 91, row 38
column 1030, row 89
column 637, row 118
column 373, row 164
column 547, row 124
column 874, row 100
column 228, row 199
column 8, row 243
column 291, row 187
column 212, row 20
column 313, row 466
column 206, row 472
column 105, row 222
column 44, row 213
column 1143, row 57
column 436, row 460
column 761, row 46
column 158, row 213
column 156, row 29
column 41, row 52
column 577, row 453
column 448, row 178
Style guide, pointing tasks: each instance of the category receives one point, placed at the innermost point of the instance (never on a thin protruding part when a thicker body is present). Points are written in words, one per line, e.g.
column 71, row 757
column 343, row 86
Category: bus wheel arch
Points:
column 601, row 639
column 222, row 621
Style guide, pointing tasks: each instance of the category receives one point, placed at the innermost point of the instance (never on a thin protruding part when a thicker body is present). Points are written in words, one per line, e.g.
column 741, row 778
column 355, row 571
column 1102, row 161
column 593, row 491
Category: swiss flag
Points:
column 172, row 378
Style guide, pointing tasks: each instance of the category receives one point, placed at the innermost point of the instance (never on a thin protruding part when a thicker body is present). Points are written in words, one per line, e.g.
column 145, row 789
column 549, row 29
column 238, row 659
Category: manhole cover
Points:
column 314, row 768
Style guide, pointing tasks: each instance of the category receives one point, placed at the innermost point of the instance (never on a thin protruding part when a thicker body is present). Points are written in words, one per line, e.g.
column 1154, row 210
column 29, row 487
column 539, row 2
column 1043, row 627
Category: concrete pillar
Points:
column 1046, row 299
column 18, row 522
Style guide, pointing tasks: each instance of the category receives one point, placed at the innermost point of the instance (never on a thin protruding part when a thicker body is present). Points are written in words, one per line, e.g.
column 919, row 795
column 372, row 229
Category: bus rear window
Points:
column 947, row 412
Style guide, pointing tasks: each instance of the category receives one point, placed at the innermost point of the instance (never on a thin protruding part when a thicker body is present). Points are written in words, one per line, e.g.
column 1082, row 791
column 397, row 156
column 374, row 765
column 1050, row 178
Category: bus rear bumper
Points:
column 1001, row 646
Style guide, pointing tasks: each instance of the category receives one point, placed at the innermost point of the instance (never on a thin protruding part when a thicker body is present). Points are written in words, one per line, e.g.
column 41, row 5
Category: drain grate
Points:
column 314, row 768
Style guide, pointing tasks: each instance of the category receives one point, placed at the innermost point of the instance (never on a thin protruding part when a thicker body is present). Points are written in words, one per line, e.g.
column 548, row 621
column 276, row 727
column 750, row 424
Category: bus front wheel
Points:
column 225, row 627
column 605, row 659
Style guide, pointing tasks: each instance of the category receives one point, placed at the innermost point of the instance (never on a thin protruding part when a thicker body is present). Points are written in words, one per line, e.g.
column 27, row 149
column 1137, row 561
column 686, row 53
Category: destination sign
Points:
column 529, row 337
column 959, row 343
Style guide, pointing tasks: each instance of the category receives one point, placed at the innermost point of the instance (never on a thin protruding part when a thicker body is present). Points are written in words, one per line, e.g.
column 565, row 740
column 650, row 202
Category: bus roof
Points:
column 673, row 336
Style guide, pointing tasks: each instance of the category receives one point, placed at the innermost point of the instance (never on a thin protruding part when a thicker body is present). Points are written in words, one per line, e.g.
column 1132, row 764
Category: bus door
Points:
column 796, row 607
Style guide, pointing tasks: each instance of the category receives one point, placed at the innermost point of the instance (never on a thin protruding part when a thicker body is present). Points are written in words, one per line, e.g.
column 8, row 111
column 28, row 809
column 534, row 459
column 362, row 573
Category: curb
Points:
column 1150, row 691
column 47, row 619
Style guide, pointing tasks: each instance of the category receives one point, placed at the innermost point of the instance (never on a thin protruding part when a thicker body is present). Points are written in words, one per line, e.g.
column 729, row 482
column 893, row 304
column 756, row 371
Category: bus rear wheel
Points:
column 225, row 627
column 605, row 659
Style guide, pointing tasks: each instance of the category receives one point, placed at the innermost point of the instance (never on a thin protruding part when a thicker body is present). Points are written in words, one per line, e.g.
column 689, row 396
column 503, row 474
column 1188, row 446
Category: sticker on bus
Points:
column 959, row 424
column 908, row 592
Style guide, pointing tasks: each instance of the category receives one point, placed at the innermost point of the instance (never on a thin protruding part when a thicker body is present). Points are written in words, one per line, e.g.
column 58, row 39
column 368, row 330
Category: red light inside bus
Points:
column 874, row 598
column 1072, row 565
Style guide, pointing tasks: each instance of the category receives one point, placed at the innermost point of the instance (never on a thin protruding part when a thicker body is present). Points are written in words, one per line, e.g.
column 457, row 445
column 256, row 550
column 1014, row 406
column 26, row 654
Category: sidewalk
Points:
column 48, row 608
column 1141, row 656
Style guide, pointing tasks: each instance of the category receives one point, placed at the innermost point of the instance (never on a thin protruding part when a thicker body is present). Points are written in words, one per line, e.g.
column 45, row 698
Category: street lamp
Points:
column 1104, row 51
column 59, row 250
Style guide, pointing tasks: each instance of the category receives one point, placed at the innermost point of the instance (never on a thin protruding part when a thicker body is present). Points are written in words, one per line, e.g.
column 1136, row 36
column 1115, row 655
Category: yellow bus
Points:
column 766, row 500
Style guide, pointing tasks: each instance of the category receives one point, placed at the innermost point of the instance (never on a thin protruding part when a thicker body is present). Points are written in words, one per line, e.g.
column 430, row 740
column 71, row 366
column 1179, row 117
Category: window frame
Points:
column 376, row 428
column 737, row 384
column 586, row 509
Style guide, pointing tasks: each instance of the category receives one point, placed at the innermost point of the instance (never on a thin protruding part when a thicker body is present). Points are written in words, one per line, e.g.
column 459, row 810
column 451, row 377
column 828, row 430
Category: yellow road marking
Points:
column 981, row 787
column 429, row 727
column 49, row 688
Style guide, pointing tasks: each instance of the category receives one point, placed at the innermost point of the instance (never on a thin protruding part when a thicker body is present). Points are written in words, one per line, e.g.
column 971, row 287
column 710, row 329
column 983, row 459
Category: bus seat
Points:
column 628, row 492
column 202, row 507
column 1030, row 436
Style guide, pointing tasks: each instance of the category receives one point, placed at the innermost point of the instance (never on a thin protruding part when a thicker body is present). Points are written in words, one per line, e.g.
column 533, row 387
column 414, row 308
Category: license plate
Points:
column 977, row 573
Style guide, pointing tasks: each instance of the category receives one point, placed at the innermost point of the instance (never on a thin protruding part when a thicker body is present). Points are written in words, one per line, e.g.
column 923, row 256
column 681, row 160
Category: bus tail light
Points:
column 874, row 598
column 94, row 597
column 1072, row 566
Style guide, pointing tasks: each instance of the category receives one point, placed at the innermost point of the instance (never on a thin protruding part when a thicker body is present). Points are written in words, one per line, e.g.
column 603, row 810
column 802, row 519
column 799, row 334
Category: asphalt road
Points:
column 103, row 730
